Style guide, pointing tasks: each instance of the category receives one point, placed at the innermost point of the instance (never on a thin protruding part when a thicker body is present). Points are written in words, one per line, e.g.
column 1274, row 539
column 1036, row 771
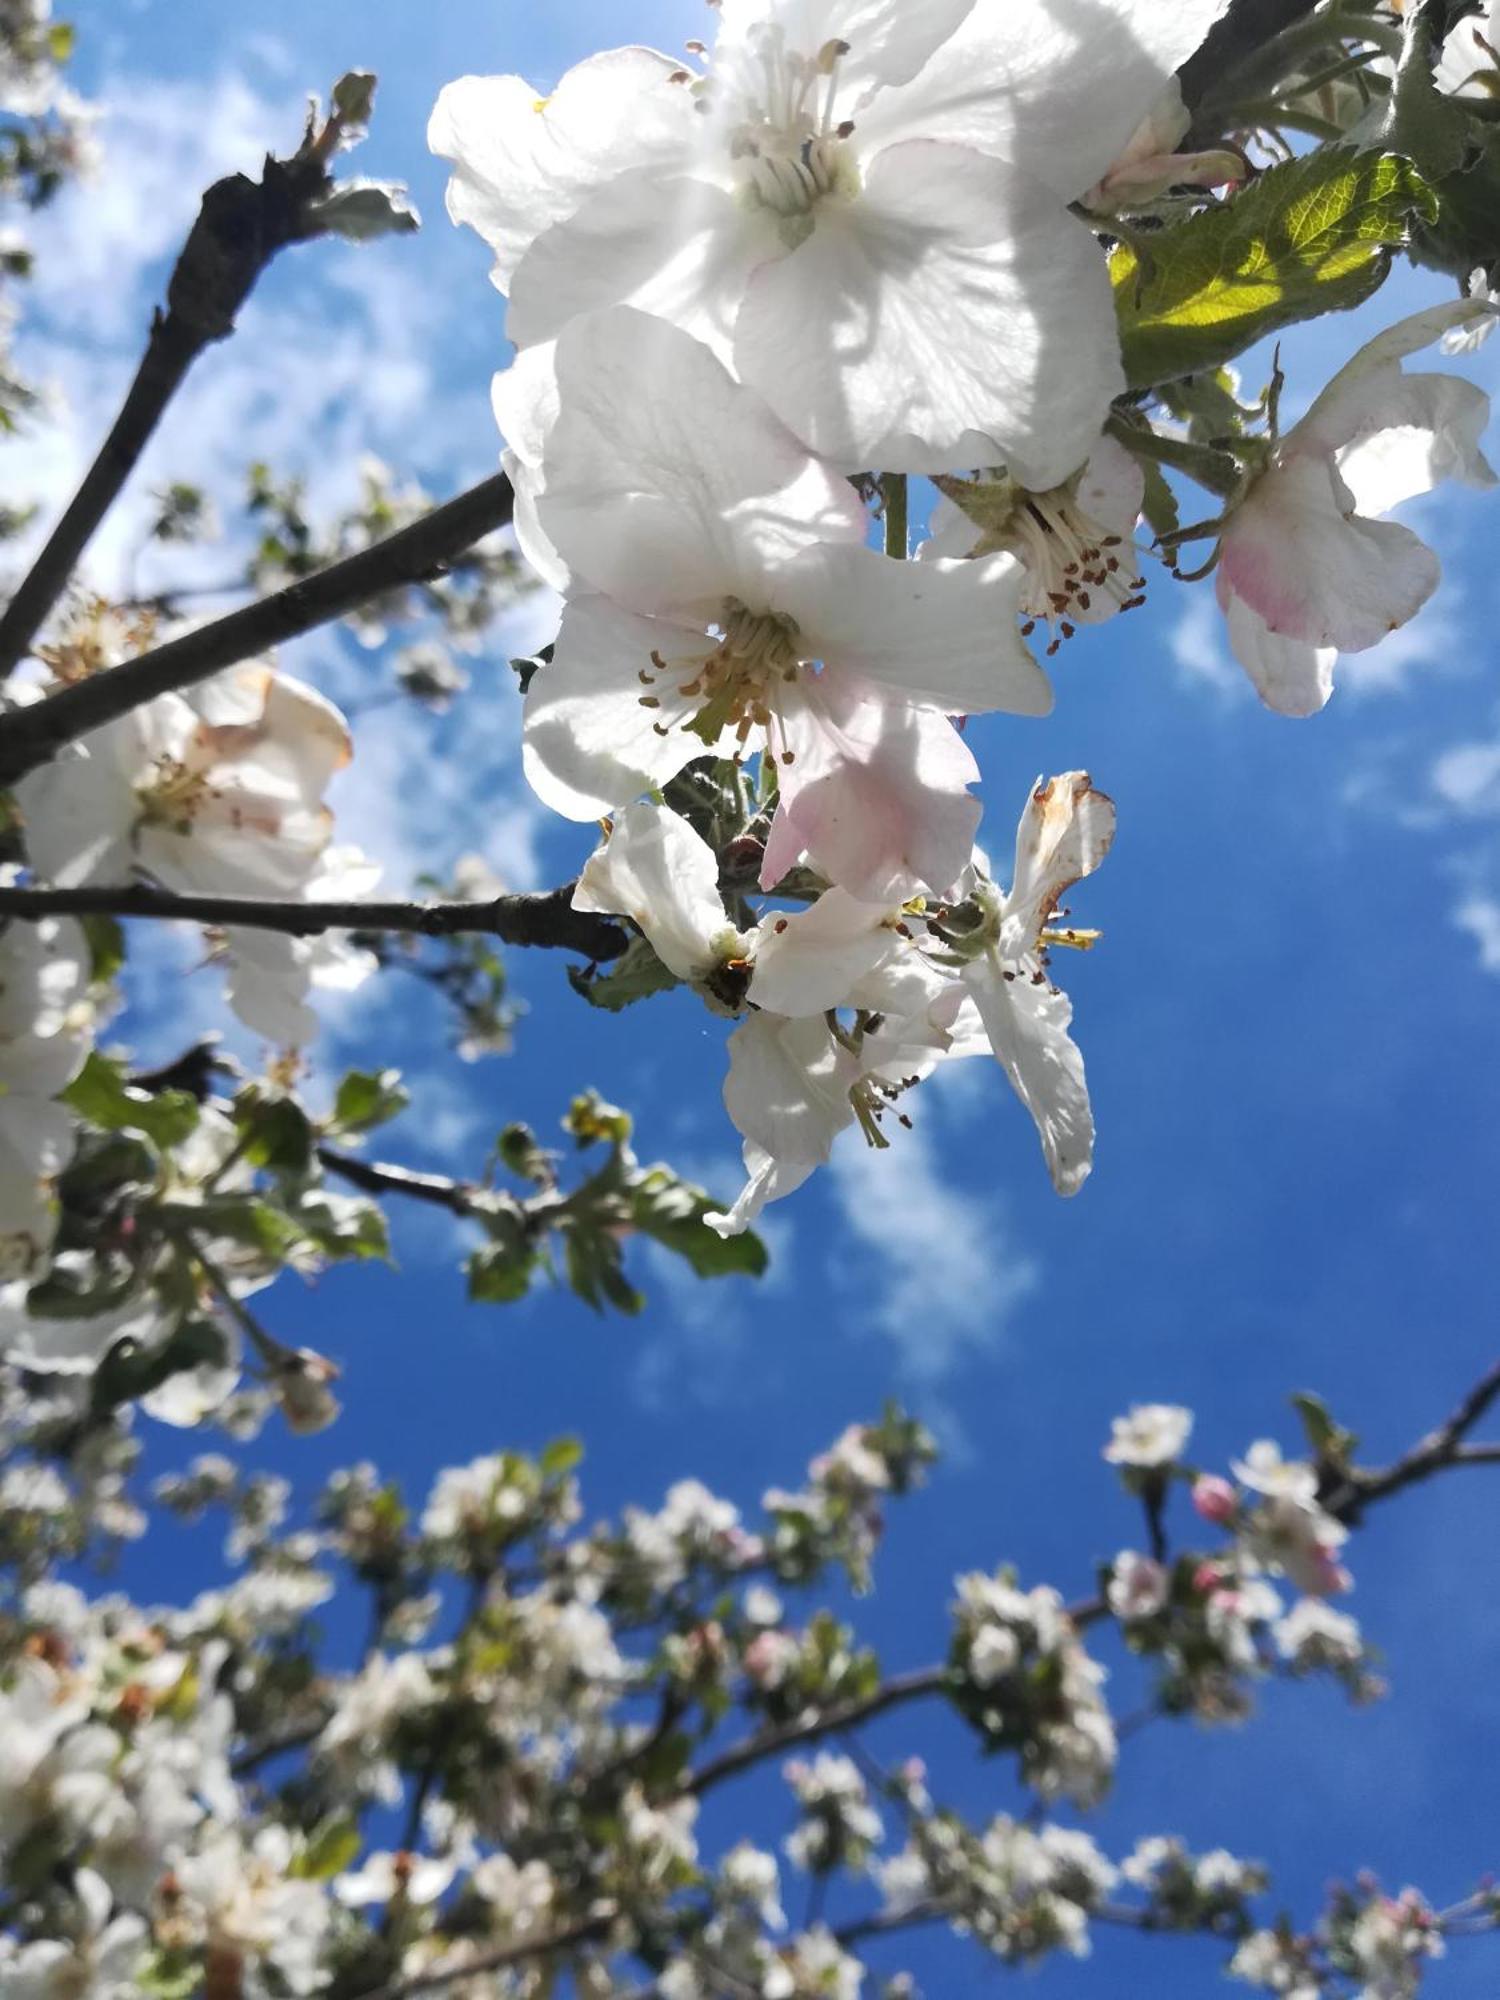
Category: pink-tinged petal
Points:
column 679, row 247
column 655, row 869
column 955, row 299
column 1313, row 570
column 876, row 795
column 589, row 745
column 1066, row 830
column 522, row 160
column 1290, row 676
column 888, row 41
column 769, row 1180
column 670, row 487
column 812, row 960
column 1058, row 86
column 940, row 633
column 1026, row 1019
column 787, row 1090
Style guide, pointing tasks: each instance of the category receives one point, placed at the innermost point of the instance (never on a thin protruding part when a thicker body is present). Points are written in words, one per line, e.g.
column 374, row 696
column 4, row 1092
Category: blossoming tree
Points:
column 862, row 358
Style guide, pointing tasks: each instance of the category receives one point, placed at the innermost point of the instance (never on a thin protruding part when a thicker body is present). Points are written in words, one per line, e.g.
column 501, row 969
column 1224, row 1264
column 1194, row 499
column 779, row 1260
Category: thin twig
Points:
column 379, row 1177
column 414, row 554
column 893, row 1693
column 547, row 919
column 586, row 1930
column 240, row 227
column 1440, row 1448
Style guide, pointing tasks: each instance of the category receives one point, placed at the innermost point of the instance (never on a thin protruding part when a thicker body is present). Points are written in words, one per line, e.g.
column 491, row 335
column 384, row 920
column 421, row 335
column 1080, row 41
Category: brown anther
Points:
column 780, row 925
column 680, row 76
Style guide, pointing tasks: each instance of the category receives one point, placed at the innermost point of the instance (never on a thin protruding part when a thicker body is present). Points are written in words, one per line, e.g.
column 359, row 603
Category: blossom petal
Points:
column 788, row 1086
column 769, row 1180
column 657, row 870
column 1058, row 86
column 1026, row 1019
column 589, row 744
column 943, row 634
column 1066, row 830
column 955, row 300
column 1313, row 570
column 812, row 960
column 1429, row 431
column 876, row 795
column 670, row 487
column 522, row 160
column 680, row 247
column 78, row 818
column 1290, row 676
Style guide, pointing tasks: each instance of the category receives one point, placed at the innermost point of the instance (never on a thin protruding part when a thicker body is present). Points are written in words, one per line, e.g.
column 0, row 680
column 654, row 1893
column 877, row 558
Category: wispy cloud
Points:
column 940, row 1272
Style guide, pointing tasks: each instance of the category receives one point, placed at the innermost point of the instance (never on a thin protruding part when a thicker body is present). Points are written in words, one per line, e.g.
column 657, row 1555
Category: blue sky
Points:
column 1289, row 1028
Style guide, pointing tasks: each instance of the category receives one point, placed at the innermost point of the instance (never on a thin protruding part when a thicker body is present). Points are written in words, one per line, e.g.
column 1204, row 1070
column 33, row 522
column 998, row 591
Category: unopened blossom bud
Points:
column 1207, row 1578
column 768, row 1658
column 1214, row 1498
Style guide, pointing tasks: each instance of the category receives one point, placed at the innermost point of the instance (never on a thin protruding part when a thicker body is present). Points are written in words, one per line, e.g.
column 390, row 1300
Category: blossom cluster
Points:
column 751, row 292
column 199, row 1794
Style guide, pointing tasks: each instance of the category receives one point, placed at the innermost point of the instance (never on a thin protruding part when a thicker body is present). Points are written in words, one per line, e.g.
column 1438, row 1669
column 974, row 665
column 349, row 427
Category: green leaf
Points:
column 344, row 1225
column 331, row 1847
column 106, row 942
column 274, row 1130
column 362, row 211
column 635, row 976
column 1326, row 1438
column 1308, row 237
column 671, row 1212
column 500, row 1274
column 353, row 99
column 243, row 1219
column 367, row 1098
column 560, row 1456
column 101, row 1096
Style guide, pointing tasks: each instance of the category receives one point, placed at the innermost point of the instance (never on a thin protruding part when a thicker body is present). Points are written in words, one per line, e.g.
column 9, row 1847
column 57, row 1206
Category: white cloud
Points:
column 940, row 1273
column 1466, row 778
column 1199, row 649
column 1479, row 915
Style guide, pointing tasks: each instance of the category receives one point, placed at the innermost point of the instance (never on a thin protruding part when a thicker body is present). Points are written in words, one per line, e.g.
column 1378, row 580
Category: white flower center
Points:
column 1070, row 560
column 738, row 685
column 173, row 795
column 788, row 141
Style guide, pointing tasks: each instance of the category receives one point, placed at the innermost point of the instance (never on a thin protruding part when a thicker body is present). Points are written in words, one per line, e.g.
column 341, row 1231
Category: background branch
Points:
column 548, row 919
column 415, row 554
column 241, row 226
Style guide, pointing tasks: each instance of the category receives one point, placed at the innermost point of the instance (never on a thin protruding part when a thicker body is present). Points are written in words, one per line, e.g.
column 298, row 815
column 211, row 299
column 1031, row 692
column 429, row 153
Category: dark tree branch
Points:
column 240, row 228
column 1440, row 1449
column 1210, row 75
column 894, row 1693
column 548, row 919
column 379, row 1178
column 414, row 554
column 587, row 1930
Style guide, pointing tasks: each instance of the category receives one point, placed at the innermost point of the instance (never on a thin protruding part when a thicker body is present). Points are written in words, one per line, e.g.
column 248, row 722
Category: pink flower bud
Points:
column 1206, row 1579
column 1215, row 1499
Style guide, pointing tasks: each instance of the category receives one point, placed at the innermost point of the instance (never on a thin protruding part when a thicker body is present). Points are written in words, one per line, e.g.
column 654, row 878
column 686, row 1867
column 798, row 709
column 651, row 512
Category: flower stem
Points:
column 893, row 495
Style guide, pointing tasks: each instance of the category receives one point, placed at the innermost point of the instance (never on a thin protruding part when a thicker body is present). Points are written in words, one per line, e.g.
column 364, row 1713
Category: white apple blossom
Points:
column 1077, row 542
column 1149, row 1436
column 1137, row 1586
column 99, row 1962
column 220, row 791
column 1307, row 570
column 383, row 1877
column 1065, row 832
column 1273, row 1963
column 724, row 600
column 46, row 1032
column 1312, row 1634
column 862, row 206
column 251, row 1911
column 1389, row 1942
column 1470, row 335
column 271, row 975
